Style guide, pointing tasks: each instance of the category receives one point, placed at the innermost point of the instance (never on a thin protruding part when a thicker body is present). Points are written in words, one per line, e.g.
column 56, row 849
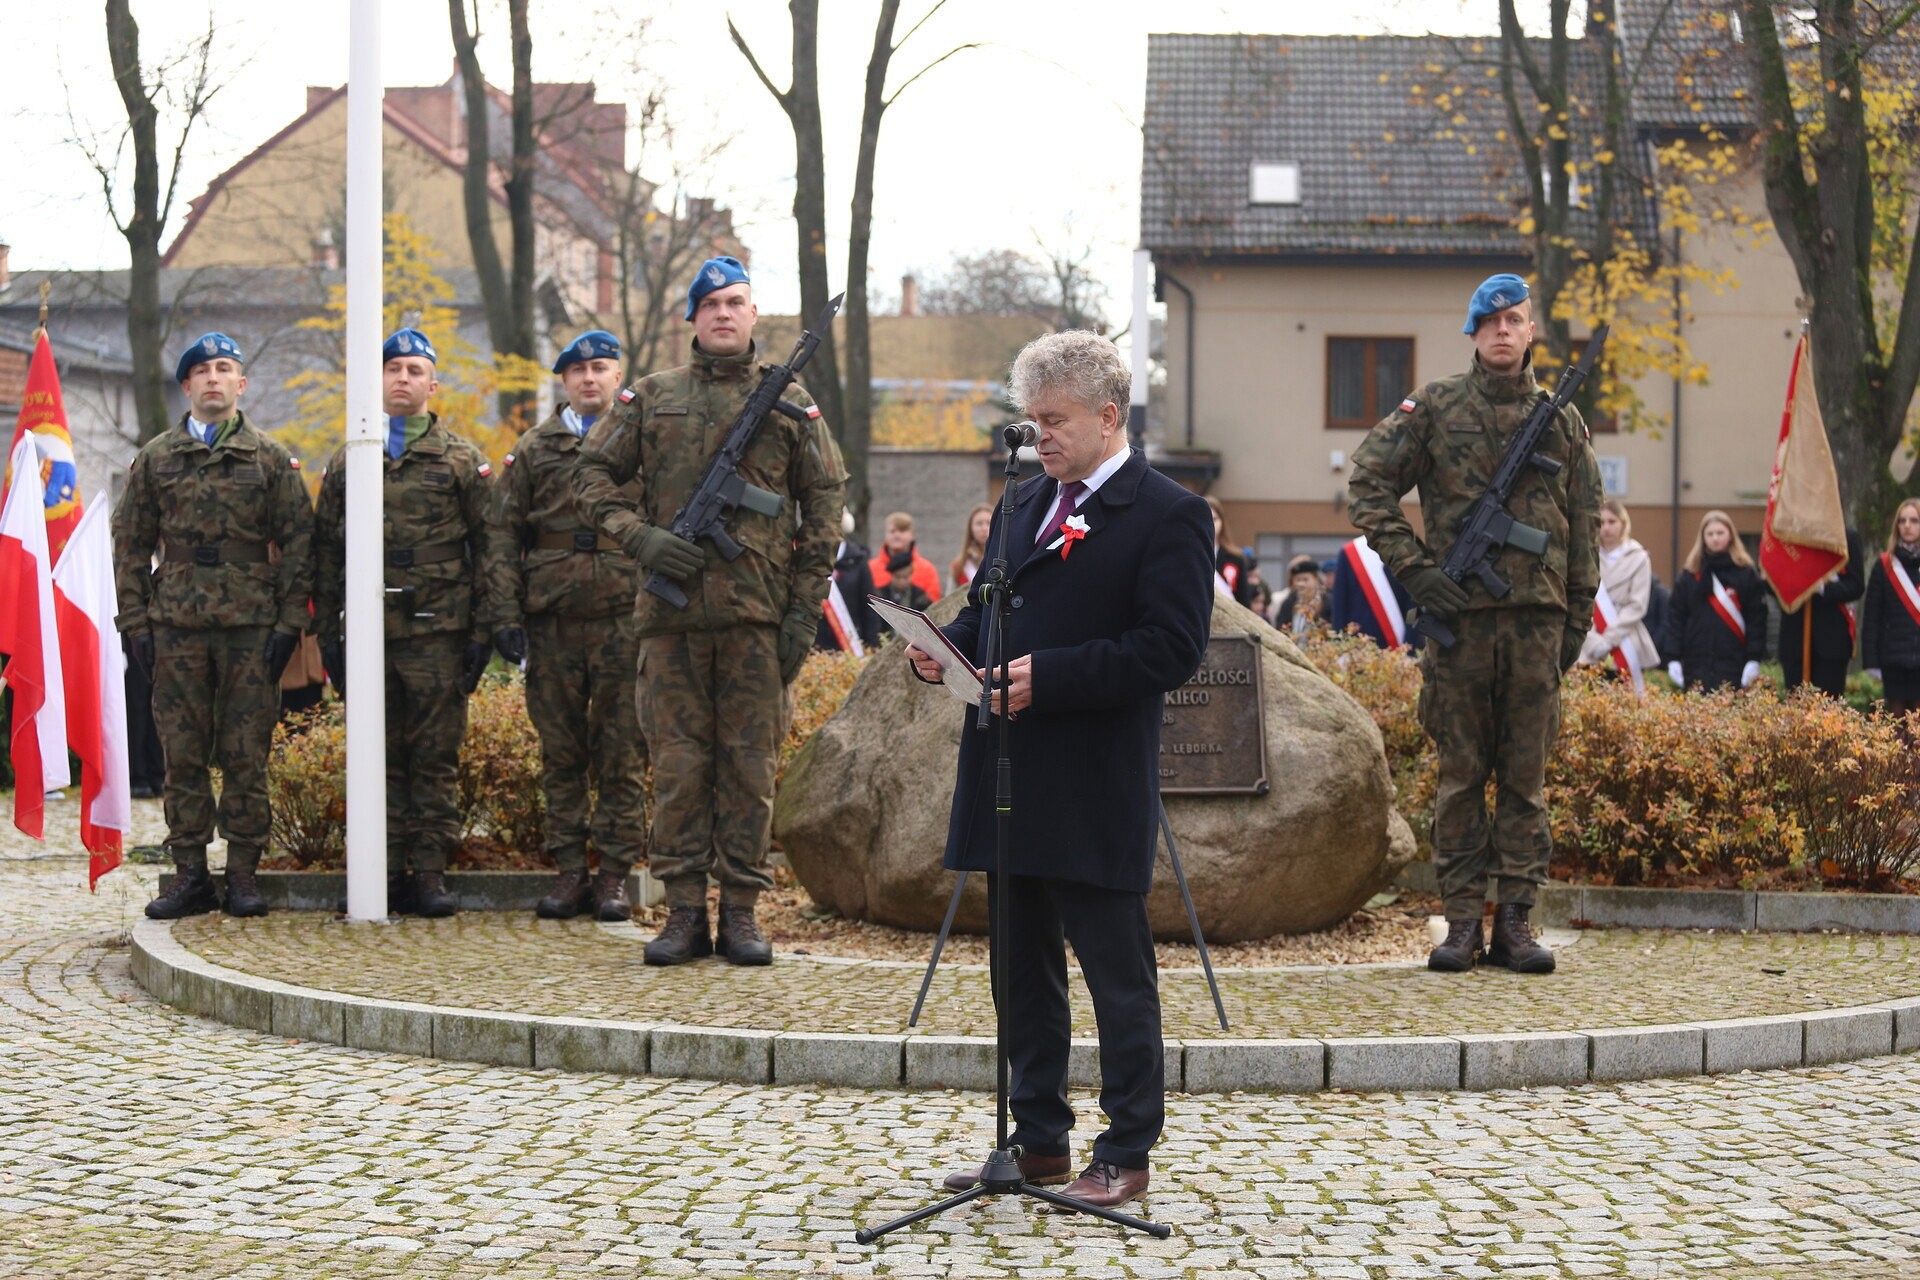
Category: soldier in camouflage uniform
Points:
column 713, row 676
column 222, row 508
column 576, row 588
column 1491, row 703
column 449, row 602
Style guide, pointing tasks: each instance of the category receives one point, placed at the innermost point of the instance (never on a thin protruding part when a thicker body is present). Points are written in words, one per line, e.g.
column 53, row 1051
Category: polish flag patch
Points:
column 813, row 411
column 486, row 469
column 294, row 463
column 1407, row 405
column 626, row 395
column 507, row 462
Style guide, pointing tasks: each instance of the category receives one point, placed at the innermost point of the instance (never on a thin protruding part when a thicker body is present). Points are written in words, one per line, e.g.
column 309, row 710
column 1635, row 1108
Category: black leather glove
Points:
column 478, row 653
column 1571, row 642
column 512, row 644
column 139, row 646
column 333, row 656
column 281, row 646
column 797, row 631
column 665, row 552
column 1435, row 592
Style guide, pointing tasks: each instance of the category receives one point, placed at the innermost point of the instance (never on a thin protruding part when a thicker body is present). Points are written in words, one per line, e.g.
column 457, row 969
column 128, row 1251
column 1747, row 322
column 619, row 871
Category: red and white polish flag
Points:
column 95, row 676
column 37, row 737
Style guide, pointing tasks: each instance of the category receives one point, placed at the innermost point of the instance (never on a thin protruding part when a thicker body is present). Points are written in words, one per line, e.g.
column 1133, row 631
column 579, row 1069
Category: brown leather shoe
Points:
column 1105, row 1184
column 610, row 897
column 1041, row 1171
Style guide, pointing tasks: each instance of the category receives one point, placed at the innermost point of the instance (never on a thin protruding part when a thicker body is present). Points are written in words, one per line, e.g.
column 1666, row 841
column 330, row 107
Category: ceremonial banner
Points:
column 38, row 734
column 1804, row 538
column 96, row 685
column 43, row 414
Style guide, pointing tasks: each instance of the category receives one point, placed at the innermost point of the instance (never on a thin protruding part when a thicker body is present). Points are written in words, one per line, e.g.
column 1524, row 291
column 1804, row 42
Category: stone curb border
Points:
column 174, row 975
column 1761, row 910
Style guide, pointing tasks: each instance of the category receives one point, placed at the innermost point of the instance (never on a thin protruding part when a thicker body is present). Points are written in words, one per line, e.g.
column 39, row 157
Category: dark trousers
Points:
column 1111, row 940
column 146, row 766
column 1829, row 674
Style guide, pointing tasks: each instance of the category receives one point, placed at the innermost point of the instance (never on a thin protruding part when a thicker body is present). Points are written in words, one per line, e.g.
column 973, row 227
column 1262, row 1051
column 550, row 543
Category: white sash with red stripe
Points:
column 1903, row 588
column 840, row 618
column 1727, row 604
column 1604, row 616
column 1371, row 573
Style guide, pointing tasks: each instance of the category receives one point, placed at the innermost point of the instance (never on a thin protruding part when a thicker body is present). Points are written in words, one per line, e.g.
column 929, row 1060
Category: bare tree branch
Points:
column 908, row 83
column 784, row 98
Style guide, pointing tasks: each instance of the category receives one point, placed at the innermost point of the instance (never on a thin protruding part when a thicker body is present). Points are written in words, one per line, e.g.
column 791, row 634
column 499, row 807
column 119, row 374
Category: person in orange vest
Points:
column 913, row 569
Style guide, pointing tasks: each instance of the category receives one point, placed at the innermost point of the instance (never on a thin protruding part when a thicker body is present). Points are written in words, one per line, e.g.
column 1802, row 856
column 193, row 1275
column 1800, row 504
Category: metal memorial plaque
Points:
column 1213, row 728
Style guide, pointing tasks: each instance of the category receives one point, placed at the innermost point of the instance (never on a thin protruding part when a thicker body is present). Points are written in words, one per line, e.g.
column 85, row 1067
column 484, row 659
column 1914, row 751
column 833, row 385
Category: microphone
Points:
column 1019, row 435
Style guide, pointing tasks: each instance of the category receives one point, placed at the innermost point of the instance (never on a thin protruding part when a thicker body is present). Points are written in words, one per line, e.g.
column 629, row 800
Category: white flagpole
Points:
column 366, row 557
column 1140, row 341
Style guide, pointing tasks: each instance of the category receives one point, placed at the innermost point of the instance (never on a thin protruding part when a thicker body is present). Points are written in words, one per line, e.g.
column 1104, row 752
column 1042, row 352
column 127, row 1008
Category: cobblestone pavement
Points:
column 139, row 1142
column 510, row 961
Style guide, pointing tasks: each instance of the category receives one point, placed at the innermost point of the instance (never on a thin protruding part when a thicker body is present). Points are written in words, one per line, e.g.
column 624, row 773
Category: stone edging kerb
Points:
column 174, row 975
column 1761, row 910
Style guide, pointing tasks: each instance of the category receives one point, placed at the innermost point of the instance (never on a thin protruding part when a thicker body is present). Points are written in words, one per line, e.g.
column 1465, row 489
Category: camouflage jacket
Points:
column 437, row 496
column 1446, row 440
column 211, row 515
column 658, row 437
column 536, row 502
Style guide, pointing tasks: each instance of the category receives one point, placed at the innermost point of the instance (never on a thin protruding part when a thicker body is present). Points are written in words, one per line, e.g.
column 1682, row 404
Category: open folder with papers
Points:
column 960, row 676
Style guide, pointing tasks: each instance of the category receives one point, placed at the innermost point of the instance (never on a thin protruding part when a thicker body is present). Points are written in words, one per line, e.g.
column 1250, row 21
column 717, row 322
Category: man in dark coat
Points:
column 1834, row 625
column 1111, row 598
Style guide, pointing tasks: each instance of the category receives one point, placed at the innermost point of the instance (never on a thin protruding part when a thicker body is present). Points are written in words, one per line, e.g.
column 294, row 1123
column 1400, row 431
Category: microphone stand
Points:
column 1001, row 1174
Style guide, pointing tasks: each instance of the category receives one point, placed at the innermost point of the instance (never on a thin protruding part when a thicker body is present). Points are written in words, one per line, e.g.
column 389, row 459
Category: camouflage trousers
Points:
column 580, row 697
column 213, row 703
column 713, row 708
column 426, row 720
column 1491, row 704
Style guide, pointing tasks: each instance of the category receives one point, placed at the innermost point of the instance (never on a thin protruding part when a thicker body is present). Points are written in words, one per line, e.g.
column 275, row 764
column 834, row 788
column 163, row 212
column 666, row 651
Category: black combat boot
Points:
column 610, row 897
column 1460, row 950
column 682, row 938
column 192, row 894
column 431, row 895
column 243, row 890
column 399, row 896
column 739, row 938
column 569, row 896
column 1514, row 946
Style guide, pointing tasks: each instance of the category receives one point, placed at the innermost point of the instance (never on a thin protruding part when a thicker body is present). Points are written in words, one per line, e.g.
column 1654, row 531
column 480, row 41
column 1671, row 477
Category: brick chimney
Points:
column 909, row 296
column 326, row 255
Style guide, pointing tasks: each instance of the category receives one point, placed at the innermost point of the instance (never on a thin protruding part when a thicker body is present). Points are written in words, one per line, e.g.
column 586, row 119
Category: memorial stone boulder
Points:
column 1293, row 831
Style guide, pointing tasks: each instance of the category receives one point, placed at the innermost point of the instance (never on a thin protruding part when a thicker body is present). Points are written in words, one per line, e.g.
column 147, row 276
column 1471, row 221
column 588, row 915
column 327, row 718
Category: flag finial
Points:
column 46, row 287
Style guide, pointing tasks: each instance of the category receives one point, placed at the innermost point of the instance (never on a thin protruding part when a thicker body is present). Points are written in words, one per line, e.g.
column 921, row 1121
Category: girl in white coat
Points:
column 1626, row 584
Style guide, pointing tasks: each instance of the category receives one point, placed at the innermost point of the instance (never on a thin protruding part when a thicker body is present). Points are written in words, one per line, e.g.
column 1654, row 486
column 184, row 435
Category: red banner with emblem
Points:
column 1804, row 539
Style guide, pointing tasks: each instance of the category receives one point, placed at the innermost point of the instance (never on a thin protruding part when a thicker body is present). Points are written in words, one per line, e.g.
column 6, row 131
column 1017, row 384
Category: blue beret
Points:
column 714, row 273
column 594, row 344
column 1496, row 293
column 407, row 342
column 206, row 347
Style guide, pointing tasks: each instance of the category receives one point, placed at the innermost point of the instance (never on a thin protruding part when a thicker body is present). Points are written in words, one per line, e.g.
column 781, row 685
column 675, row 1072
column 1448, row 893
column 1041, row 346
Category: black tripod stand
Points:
column 1001, row 1175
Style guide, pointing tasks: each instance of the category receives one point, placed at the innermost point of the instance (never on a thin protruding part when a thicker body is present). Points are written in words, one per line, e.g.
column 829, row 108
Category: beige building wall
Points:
column 271, row 207
column 1260, row 395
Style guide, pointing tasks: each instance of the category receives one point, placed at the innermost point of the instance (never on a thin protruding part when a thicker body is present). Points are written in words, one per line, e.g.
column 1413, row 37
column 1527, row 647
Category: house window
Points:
column 1366, row 378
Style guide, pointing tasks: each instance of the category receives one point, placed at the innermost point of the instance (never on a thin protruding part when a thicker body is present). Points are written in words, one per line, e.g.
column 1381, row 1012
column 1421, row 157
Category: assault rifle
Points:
column 1488, row 527
column 722, row 490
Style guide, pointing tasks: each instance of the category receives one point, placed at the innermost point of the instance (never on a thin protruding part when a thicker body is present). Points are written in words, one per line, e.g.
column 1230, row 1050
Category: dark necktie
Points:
column 1069, row 499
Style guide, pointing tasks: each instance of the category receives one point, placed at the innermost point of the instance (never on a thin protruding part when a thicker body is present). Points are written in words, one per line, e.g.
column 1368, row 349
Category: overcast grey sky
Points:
column 1030, row 140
